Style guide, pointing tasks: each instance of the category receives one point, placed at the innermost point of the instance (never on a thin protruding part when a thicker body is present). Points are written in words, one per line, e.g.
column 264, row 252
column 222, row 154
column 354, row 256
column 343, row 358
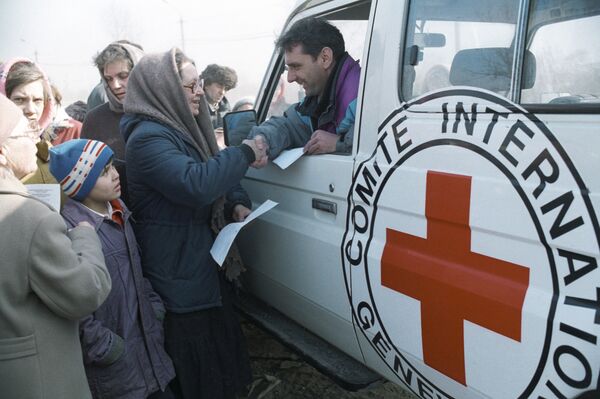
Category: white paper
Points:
column 288, row 157
column 226, row 236
column 48, row 193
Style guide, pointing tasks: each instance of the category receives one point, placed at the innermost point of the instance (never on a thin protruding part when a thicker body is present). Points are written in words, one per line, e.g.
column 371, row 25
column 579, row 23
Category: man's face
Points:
column 214, row 92
column 30, row 98
column 311, row 74
column 116, row 74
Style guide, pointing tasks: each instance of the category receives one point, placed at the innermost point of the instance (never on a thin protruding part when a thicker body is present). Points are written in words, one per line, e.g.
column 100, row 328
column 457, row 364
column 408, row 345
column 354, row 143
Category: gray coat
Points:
column 122, row 342
column 49, row 279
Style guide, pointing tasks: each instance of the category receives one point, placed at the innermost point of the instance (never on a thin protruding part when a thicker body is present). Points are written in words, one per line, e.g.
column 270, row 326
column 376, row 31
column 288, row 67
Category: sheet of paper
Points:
column 226, row 236
column 288, row 157
column 49, row 193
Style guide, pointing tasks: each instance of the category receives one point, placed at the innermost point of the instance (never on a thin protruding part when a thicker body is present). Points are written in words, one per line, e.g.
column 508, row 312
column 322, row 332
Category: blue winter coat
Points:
column 172, row 191
column 122, row 342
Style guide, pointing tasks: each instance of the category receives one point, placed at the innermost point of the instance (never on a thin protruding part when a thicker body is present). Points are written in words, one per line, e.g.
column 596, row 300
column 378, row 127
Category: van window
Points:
column 352, row 23
column 565, row 42
column 459, row 43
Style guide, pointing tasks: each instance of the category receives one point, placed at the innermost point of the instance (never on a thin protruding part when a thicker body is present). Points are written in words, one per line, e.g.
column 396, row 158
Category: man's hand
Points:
column 321, row 142
column 262, row 143
column 240, row 212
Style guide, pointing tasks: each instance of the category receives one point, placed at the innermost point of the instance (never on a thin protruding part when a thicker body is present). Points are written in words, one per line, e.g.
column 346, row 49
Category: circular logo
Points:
column 470, row 253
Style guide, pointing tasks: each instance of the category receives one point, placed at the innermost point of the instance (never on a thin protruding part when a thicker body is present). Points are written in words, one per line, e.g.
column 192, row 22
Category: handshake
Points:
column 260, row 147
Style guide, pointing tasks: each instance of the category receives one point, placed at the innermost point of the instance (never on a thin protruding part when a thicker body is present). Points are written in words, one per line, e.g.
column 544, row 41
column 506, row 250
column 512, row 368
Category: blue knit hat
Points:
column 77, row 164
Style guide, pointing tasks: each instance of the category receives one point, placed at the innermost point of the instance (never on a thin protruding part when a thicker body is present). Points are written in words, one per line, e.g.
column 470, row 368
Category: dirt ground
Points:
column 280, row 373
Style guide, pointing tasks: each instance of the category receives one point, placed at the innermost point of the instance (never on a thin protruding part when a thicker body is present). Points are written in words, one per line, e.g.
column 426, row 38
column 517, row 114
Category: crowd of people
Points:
column 115, row 294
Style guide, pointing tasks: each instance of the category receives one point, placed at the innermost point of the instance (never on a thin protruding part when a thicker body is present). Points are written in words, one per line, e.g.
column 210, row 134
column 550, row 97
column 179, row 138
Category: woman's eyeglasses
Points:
column 195, row 87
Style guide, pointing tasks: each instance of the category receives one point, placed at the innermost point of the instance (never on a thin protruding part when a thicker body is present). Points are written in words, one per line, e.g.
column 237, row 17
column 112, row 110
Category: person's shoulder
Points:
column 73, row 212
column 100, row 110
column 98, row 117
column 150, row 130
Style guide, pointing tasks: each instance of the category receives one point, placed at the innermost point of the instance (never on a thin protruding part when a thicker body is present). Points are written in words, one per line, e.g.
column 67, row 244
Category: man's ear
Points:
column 326, row 57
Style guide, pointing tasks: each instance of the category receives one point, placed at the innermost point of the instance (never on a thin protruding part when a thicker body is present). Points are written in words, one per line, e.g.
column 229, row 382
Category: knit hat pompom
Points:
column 77, row 164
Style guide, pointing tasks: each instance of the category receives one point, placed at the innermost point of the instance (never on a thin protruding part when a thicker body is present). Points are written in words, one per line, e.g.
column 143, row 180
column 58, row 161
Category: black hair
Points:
column 313, row 34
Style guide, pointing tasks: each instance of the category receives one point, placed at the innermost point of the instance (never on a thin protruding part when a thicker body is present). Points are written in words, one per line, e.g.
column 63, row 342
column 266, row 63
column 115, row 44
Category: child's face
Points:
column 107, row 186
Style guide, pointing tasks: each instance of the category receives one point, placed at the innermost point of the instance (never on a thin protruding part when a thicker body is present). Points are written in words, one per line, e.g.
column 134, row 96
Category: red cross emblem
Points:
column 452, row 283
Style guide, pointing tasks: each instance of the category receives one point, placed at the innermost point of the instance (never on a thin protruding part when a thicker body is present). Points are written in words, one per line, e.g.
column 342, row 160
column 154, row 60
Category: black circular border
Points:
column 515, row 109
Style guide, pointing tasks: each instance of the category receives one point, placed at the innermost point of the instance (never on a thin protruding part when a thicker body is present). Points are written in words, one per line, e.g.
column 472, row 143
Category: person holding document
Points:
column 50, row 278
column 182, row 191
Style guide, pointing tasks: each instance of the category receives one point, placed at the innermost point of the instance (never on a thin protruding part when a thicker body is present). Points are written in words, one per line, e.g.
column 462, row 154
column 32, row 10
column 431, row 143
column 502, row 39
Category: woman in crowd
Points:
column 182, row 189
column 49, row 278
column 114, row 64
column 24, row 83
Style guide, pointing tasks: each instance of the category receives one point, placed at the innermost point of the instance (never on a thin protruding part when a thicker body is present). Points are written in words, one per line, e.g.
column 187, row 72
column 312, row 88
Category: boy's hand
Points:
column 85, row 224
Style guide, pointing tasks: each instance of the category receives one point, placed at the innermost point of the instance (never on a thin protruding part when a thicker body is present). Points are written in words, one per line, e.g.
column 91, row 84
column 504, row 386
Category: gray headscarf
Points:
column 155, row 89
column 135, row 54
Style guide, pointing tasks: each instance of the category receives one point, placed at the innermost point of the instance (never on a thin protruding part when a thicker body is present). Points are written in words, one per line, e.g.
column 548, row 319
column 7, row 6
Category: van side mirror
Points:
column 237, row 126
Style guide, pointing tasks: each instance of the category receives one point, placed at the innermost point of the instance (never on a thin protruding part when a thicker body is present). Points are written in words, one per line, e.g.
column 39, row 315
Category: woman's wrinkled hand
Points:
column 240, row 213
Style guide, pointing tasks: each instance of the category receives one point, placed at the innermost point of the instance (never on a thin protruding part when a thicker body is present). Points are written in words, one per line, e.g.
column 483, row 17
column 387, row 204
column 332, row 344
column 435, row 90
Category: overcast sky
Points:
column 64, row 35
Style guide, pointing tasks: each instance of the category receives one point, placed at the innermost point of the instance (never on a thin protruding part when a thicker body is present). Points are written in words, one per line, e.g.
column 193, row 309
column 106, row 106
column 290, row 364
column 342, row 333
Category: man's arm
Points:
column 282, row 132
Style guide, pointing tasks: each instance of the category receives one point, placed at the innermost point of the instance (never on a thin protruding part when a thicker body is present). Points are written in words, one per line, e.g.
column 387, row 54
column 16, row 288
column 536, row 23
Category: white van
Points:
column 455, row 250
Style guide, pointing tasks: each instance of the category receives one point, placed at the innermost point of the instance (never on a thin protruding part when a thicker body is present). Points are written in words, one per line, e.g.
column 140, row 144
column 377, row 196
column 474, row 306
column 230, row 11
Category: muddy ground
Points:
column 280, row 373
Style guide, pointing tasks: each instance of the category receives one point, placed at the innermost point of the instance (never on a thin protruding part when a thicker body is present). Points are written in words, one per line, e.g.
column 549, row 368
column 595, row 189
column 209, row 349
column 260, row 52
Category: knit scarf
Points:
column 135, row 54
column 155, row 89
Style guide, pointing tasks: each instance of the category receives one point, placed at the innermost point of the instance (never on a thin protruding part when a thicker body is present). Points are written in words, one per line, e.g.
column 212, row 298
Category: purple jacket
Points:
column 122, row 341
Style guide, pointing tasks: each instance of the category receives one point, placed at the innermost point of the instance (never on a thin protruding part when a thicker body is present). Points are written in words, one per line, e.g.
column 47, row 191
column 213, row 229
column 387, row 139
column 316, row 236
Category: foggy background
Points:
column 63, row 36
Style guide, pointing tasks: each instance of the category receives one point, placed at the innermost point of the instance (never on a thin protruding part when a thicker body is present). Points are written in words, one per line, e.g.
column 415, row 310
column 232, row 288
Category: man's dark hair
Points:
column 313, row 34
column 222, row 75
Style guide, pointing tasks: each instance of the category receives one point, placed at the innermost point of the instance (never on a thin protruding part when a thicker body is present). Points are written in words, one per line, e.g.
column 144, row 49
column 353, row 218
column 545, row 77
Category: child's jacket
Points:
column 122, row 342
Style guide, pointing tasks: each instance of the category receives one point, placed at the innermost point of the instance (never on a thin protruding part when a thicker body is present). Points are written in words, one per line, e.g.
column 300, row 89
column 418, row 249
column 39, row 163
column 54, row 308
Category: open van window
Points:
column 352, row 23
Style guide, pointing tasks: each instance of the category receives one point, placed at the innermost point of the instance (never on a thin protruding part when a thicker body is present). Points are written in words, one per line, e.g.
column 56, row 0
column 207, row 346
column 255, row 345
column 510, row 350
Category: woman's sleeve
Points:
column 159, row 163
column 67, row 270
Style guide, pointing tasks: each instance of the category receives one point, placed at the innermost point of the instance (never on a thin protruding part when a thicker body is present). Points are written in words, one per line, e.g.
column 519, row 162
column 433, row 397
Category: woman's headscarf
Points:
column 155, row 89
column 134, row 54
column 46, row 117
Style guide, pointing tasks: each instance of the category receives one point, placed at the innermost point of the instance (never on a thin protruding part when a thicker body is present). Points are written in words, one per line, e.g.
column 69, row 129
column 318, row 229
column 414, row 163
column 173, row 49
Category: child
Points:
column 122, row 341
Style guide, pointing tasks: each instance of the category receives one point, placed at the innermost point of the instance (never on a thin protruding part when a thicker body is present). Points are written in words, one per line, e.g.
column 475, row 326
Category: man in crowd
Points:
column 218, row 80
column 323, row 122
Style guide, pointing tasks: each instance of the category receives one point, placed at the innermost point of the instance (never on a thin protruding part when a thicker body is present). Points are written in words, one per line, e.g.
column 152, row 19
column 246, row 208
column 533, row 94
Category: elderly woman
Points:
column 49, row 278
column 182, row 189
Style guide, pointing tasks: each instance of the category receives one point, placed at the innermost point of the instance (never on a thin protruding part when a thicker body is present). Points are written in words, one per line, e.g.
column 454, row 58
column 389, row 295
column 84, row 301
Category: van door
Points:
column 293, row 252
column 473, row 239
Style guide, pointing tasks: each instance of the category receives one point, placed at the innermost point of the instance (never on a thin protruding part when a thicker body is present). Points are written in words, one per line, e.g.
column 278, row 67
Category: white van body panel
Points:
column 462, row 258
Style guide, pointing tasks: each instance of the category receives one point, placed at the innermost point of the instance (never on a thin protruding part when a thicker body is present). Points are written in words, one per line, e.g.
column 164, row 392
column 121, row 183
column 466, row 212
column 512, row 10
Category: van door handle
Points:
column 326, row 206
